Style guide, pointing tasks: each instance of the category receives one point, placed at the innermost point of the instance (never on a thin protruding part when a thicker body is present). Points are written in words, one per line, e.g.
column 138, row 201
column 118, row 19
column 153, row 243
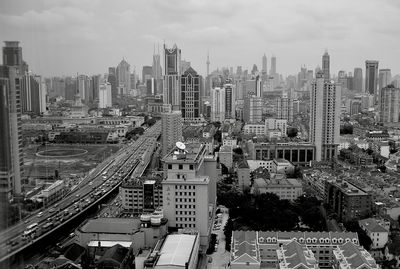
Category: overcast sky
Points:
column 63, row 37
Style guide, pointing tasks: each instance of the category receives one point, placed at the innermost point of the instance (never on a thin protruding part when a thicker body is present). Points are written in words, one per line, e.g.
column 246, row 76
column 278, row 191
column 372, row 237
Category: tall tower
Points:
column 208, row 63
column 273, row 66
column 385, row 78
column 123, row 77
column 264, row 65
column 326, row 65
column 218, row 104
column 325, row 117
column 389, row 104
column 171, row 89
column 171, row 123
column 371, row 77
column 190, row 95
column 358, row 79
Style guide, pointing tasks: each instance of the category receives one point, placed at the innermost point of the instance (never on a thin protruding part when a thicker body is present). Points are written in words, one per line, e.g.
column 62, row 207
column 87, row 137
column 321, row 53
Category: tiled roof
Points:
column 244, row 247
column 309, row 238
column 295, row 255
column 352, row 256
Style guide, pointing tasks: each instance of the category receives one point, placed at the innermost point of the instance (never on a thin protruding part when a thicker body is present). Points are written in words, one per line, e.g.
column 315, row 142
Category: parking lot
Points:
column 220, row 258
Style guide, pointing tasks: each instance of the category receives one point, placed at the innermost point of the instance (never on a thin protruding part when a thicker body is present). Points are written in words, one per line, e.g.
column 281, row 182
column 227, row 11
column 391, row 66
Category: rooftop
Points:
column 111, row 225
column 352, row 256
column 372, row 225
column 177, row 250
column 191, row 154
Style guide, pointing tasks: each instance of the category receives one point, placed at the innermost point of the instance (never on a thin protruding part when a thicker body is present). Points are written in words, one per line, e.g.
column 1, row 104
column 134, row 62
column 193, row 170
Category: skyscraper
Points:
column 171, row 124
column 157, row 70
column 371, row 77
column 123, row 77
column 208, row 63
column 12, row 54
column 190, row 96
column 171, row 88
column 218, row 104
column 389, row 104
column 264, row 70
column 273, row 66
column 252, row 109
column 325, row 117
column 358, row 80
column 105, row 95
column 326, row 65
column 147, row 73
column 229, row 101
column 284, row 108
column 385, row 78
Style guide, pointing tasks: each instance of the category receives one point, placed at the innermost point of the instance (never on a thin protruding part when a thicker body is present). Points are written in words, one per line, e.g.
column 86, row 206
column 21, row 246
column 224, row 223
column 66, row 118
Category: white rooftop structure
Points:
column 177, row 250
column 108, row 244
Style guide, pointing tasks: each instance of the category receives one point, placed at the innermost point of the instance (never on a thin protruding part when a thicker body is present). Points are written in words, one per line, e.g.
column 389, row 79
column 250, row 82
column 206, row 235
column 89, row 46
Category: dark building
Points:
column 190, row 95
column 12, row 54
column 347, row 201
column 147, row 73
column 70, row 88
column 171, row 88
column 371, row 77
column 229, row 101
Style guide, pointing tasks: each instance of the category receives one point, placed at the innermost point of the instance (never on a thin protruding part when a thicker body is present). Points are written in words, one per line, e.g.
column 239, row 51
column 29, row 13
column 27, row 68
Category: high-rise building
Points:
column 123, row 77
column 189, row 189
column 358, row 80
column 95, row 86
column 157, row 70
column 184, row 66
column 12, row 54
column 325, row 117
column 385, row 78
column 147, row 73
column 252, row 109
column 284, row 108
column 371, row 77
column 208, row 63
column 389, row 104
column 171, row 122
column 326, row 65
column 190, row 95
column 272, row 71
column 230, row 101
column 264, row 69
column 105, row 95
column 171, row 87
column 218, row 104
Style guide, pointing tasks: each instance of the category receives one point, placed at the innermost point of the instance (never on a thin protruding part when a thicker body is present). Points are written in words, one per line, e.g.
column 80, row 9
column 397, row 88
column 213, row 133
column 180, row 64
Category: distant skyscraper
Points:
column 371, row 77
column 12, row 54
column 254, row 71
column 264, row 69
column 190, row 96
column 217, row 104
column 123, row 77
column 389, row 104
column 284, row 108
column 171, row 123
column 157, row 70
column 252, row 109
column 147, row 73
column 385, row 78
column 358, row 80
column 229, row 101
column 105, row 95
column 326, row 65
column 171, row 88
column 273, row 66
column 208, row 63
column 325, row 117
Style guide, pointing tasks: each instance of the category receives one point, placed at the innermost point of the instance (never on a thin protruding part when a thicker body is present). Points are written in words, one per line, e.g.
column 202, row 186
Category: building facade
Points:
column 371, row 77
column 105, row 95
column 171, row 123
column 172, row 72
column 218, row 104
column 389, row 104
column 190, row 96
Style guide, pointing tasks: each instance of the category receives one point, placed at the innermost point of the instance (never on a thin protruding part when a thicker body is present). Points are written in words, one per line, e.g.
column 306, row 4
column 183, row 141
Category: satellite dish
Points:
column 180, row 145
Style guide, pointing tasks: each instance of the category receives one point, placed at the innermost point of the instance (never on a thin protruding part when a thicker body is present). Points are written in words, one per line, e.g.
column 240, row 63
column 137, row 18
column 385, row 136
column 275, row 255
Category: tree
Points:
column 228, row 229
column 218, row 136
column 238, row 151
column 346, row 129
column 217, row 124
column 365, row 241
column 151, row 122
column 292, row 132
column 224, row 169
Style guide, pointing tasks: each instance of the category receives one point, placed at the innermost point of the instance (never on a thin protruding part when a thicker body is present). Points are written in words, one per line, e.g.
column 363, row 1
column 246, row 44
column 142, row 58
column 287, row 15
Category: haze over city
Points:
column 87, row 36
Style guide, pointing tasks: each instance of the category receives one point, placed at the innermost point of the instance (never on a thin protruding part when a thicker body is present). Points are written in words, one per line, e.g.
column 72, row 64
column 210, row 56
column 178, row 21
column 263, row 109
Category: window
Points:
column 169, row 166
column 180, row 167
column 191, row 167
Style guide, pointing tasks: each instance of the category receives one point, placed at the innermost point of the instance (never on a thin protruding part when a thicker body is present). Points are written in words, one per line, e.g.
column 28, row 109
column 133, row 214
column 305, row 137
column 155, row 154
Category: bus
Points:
column 30, row 231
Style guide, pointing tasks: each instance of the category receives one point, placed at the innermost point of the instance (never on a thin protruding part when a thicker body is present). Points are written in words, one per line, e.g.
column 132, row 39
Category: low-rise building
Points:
column 377, row 230
column 243, row 174
column 244, row 250
column 352, row 256
column 295, row 255
column 285, row 188
column 225, row 155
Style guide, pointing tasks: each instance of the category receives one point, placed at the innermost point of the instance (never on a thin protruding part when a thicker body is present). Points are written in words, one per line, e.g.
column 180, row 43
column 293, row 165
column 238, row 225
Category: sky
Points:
column 65, row 37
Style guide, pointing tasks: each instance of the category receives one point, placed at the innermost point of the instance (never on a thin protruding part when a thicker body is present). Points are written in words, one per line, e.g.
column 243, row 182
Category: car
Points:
column 90, row 183
column 40, row 214
column 51, row 210
column 71, row 235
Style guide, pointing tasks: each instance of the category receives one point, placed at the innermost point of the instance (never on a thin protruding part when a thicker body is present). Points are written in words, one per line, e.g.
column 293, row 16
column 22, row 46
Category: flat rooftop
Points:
column 111, row 225
column 177, row 250
column 191, row 154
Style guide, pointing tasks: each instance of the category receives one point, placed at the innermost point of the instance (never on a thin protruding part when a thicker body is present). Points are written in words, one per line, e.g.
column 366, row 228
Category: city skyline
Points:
column 83, row 30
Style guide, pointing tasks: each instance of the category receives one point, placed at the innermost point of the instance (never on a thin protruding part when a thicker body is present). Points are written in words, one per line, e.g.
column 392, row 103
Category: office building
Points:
column 284, row 108
column 371, row 77
column 184, row 66
column 325, row 117
column 347, row 201
column 147, row 73
column 389, row 104
column 189, row 189
column 385, row 78
column 358, row 80
column 230, row 101
column 123, row 75
column 272, row 71
column 326, row 66
column 33, row 94
column 252, row 109
column 171, row 130
column 276, row 124
column 83, row 88
column 284, row 188
column 218, row 104
column 190, row 96
column 105, row 95
column 172, row 72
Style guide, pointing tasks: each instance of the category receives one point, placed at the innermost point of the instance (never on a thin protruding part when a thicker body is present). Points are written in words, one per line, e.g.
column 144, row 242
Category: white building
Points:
column 377, row 230
column 171, row 123
column 325, row 117
column 105, row 99
column 276, row 124
column 218, row 104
